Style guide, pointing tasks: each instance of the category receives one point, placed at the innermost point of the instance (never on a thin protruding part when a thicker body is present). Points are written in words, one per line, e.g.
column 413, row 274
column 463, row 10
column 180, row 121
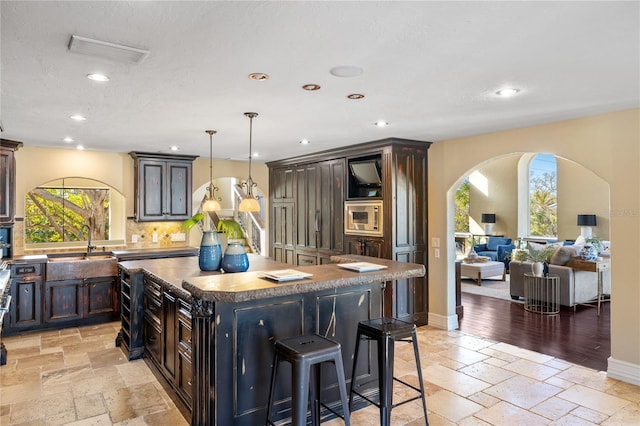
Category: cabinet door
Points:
column 281, row 184
column 101, row 297
column 178, row 199
column 151, row 190
column 307, row 207
column 6, row 184
column 330, row 205
column 26, row 307
column 282, row 231
column 63, row 301
column 169, row 326
column 373, row 247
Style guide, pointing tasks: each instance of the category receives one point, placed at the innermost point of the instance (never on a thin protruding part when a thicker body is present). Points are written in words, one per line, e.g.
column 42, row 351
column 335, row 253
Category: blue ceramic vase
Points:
column 210, row 255
column 235, row 258
column 589, row 252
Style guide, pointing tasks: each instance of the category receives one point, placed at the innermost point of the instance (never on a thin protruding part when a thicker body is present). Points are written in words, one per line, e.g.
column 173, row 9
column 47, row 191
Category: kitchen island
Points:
column 210, row 335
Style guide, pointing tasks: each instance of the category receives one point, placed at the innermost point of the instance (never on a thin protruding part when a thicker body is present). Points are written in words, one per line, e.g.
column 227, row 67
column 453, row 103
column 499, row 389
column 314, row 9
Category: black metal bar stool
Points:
column 385, row 332
column 305, row 353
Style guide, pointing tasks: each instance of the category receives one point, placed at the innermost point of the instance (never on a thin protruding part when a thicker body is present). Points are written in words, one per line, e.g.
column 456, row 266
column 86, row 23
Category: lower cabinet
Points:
column 82, row 301
column 365, row 246
column 167, row 337
column 26, row 293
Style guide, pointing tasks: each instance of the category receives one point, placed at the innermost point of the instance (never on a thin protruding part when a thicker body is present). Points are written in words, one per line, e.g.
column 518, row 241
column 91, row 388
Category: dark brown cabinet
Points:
column 26, row 293
column 364, row 246
column 306, row 211
column 167, row 337
column 314, row 187
column 7, row 179
column 162, row 186
column 81, row 301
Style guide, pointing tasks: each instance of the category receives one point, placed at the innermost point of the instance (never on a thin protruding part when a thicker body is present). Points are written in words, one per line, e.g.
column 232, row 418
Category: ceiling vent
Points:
column 104, row 49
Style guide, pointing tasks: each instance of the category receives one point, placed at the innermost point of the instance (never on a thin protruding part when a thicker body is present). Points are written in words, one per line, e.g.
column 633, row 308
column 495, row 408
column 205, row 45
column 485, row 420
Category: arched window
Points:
column 543, row 196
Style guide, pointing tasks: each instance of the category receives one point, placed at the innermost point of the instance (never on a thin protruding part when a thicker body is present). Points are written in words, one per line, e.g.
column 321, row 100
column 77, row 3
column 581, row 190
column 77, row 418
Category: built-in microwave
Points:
column 363, row 218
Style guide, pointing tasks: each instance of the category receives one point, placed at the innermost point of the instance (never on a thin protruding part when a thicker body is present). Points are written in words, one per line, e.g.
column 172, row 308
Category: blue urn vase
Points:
column 210, row 255
column 235, row 258
column 589, row 252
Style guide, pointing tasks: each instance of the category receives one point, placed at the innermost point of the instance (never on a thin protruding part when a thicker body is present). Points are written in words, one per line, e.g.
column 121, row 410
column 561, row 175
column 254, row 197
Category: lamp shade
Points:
column 249, row 205
column 586, row 220
column 488, row 218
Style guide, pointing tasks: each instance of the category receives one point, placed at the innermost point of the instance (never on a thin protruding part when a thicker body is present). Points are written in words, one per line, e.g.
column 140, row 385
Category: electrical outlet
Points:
column 436, row 253
column 154, row 238
column 134, row 238
column 179, row 236
column 435, row 242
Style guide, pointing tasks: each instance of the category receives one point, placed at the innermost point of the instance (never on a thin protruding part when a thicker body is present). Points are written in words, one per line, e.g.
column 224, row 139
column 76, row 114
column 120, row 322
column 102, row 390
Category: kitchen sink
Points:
column 80, row 266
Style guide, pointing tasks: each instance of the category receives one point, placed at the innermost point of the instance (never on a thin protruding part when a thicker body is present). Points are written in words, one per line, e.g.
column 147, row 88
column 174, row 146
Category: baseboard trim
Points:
column 449, row 322
column 622, row 370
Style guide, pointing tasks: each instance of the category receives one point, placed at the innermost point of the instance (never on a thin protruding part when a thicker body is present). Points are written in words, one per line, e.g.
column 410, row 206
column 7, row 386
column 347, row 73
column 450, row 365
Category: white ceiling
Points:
column 431, row 69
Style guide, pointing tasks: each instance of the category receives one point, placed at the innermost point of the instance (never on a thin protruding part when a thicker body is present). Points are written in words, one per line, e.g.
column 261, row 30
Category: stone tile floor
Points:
column 76, row 377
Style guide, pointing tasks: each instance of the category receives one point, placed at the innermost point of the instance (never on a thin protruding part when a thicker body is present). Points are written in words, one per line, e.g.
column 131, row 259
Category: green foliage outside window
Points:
column 543, row 202
column 462, row 207
column 58, row 214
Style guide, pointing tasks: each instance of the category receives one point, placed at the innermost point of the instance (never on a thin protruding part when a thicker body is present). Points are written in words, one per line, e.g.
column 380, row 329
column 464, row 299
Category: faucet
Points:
column 89, row 246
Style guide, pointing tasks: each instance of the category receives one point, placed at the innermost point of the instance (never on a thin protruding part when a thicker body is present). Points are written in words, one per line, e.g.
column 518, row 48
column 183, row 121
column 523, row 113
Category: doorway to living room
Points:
column 490, row 311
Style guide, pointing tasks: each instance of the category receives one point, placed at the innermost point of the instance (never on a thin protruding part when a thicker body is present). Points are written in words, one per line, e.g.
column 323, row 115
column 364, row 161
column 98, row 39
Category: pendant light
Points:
column 250, row 203
column 211, row 203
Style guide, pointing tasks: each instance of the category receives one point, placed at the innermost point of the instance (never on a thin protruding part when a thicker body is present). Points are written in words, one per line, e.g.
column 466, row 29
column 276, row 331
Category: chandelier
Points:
column 250, row 203
column 211, row 203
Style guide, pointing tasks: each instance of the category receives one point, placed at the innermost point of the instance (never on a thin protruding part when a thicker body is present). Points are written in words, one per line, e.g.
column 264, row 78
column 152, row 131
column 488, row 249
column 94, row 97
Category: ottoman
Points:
column 479, row 271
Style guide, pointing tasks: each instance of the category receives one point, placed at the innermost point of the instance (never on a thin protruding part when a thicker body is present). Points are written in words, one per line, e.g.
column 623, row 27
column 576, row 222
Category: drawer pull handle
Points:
column 189, row 382
column 189, row 340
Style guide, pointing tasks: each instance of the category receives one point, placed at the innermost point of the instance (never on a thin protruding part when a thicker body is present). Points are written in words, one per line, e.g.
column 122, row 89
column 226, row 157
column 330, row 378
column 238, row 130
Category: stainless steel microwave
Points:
column 363, row 218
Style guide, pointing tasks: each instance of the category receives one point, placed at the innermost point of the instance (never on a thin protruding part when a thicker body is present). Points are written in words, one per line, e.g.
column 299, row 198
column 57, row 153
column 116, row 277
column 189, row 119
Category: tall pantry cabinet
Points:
column 307, row 198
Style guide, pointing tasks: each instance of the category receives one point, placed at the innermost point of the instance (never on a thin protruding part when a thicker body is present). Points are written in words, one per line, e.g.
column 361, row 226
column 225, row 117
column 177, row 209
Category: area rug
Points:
column 490, row 288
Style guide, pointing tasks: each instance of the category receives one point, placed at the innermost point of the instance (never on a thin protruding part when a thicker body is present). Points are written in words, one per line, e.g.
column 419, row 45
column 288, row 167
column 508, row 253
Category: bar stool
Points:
column 385, row 332
column 305, row 352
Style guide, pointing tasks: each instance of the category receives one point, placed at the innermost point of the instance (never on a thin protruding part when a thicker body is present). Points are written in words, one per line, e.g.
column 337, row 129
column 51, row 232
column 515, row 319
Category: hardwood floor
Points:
column 582, row 337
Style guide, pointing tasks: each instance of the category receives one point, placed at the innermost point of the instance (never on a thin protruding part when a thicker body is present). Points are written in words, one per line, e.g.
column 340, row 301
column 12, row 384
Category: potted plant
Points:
column 539, row 258
column 210, row 253
column 235, row 256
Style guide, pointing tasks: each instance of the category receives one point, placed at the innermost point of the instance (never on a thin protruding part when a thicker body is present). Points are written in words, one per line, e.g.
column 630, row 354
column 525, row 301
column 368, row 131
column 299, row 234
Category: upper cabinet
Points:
column 7, row 179
column 162, row 186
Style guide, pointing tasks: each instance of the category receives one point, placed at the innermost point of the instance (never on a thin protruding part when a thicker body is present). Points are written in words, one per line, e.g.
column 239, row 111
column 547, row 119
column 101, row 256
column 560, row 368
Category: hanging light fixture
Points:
column 250, row 203
column 211, row 203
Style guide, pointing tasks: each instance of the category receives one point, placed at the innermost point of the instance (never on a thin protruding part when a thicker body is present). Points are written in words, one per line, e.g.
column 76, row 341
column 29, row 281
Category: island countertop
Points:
column 185, row 275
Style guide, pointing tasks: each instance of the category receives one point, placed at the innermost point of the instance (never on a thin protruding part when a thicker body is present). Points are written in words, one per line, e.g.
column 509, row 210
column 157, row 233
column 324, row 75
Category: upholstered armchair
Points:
column 497, row 249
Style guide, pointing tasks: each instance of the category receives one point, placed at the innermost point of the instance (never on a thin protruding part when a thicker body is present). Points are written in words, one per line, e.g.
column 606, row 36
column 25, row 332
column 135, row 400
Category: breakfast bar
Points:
column 210, row 335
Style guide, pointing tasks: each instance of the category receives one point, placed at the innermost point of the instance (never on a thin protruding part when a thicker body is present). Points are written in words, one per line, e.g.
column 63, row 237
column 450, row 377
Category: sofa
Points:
column 584, row 282
column 498, row 249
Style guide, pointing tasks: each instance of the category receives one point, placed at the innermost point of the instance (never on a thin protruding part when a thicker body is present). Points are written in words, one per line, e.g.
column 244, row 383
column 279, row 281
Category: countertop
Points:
column 120, row 254
column 185, row 276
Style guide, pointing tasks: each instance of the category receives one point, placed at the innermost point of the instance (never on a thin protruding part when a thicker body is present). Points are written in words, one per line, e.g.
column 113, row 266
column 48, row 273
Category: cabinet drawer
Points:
column 184, row 333
column 305, row 259
column 185, row 378
column 21, row 270
column 152, row 340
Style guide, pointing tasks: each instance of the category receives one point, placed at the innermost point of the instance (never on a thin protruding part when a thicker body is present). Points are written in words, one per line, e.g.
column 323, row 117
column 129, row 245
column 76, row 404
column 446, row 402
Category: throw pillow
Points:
column 537, row 246
column 561, row 256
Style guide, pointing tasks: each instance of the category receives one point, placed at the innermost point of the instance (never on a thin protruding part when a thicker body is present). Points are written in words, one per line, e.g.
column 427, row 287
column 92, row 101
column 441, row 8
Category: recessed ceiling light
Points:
column 305, row 142
column 79, row 147
column 355, row 96
column 259, row 76
column 78, row 117
column 346, row 71
column 68, row 139
column 256, row 155
column 507, row 92
column 311, row 87
column 98, row 77
column 381, row 123
column 173, row 148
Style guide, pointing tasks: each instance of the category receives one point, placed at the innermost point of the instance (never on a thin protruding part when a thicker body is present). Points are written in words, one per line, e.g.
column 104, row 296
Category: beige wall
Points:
column 499, row 196
column 608, row 145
